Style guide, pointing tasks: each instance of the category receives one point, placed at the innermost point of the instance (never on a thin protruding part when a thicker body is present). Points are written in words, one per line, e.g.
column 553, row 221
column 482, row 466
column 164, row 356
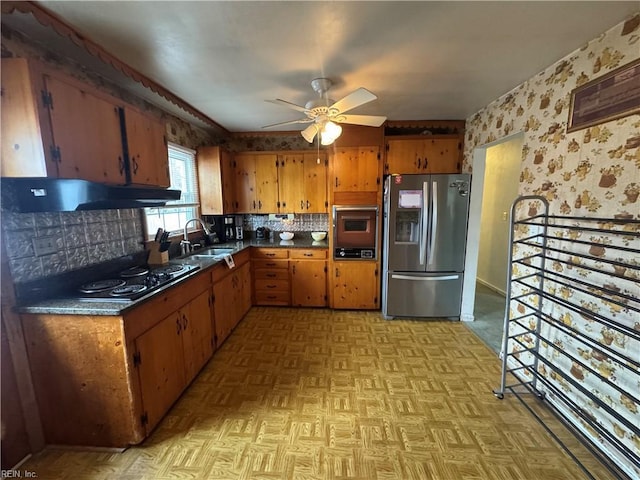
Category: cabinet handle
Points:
column 418, row 163
column 254, row 204
column 308, row 254
column 302, row 204
column 271, row 297
column 121, row 165
column 271, row 286
column 426, row 162
column 336, row 182
column 259, row 204
column 308, row 204
column 135, row 166
column 270, row 254
column 337, row 272
column 270, row 275
column 178, row 326
column 271, row 264
column 185, row 322
column 293, row 269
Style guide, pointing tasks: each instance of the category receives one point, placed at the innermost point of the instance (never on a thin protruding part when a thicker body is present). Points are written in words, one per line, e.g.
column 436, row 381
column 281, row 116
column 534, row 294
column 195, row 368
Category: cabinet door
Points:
column 245, row 183
column 216, row 181
column 197, row 337
column 442, row 155
column 244, row 275
column 148, row 154
column 315, row 182
column 23, row 153
column 267, row 183
column 403, row 155
column 86, row 130
column 161, row 369
column 223, row 308
column 355, row 169
column 355, row 285
column 291, row 183
column 308, row 283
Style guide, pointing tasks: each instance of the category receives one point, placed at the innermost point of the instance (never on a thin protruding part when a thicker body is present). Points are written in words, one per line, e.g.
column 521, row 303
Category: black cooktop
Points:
column 132, row 283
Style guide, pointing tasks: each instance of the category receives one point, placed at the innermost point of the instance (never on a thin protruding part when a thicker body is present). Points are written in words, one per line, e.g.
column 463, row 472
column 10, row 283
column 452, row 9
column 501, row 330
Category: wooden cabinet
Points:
column 108, row 380
column 231, row 295
column 146, row 145
column 270, row 276
column 436, row 154
column 302, row 183
column 256, row 182
column 216, row 181
column 57, row 126
column 308, row 269
column 355, row 285
column 356, row 169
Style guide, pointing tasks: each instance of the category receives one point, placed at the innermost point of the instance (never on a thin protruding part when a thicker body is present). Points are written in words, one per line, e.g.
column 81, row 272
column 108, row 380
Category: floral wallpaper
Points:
column 595, row 173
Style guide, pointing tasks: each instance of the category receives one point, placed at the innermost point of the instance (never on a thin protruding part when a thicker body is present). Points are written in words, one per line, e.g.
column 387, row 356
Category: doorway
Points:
column 495, row 183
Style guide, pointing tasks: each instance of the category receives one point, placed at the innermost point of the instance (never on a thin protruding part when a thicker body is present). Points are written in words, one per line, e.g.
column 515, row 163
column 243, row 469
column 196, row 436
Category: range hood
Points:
column 63, row 195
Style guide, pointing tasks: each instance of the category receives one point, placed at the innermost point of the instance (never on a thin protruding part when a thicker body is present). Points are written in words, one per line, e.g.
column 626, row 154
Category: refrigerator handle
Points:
column 434, row 218
column 425, row 222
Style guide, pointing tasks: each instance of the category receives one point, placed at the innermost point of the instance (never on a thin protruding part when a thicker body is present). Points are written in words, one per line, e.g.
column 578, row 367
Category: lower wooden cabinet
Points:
column 231, row 296
column 290, row 277
column 355, row 285
column 308, row 270
column 108, row 380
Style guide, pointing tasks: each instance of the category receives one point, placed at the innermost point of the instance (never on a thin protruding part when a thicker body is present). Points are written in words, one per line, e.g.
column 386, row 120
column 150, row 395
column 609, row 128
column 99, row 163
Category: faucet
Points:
column 185, row 244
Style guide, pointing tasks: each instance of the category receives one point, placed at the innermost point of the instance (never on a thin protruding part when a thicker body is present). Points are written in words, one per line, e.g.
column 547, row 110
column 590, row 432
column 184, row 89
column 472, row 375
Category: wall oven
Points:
column 355, row 232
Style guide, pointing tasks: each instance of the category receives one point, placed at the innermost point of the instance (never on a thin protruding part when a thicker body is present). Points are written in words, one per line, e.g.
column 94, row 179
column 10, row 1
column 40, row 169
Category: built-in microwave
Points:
column 355, row 232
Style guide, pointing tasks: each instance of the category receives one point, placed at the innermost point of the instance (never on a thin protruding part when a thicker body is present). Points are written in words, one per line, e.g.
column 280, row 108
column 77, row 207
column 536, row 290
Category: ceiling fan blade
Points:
column 284, row 103
column 368, row 120
column 310, row 132
column 353, row 100
column 290, row 122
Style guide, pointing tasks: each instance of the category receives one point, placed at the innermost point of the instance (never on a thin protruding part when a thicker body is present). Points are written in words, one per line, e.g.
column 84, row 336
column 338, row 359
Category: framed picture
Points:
column 613, row 95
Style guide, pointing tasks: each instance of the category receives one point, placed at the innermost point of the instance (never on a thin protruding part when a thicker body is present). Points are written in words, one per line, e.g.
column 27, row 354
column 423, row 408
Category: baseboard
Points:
column 491, row 287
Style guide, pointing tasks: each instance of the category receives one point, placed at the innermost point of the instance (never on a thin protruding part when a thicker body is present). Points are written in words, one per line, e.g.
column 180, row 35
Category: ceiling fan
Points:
column 324, row 114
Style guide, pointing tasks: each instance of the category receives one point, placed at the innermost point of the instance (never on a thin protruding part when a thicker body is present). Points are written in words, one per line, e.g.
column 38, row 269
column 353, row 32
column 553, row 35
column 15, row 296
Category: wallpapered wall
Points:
column 593, row 172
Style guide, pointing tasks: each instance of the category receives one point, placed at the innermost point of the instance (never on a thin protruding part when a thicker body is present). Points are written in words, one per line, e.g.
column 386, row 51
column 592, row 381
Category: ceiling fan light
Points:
column 309, row 133
column 330, row 132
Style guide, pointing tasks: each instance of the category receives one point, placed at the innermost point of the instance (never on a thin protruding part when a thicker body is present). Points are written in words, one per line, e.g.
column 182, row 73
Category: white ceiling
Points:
column 424, row 60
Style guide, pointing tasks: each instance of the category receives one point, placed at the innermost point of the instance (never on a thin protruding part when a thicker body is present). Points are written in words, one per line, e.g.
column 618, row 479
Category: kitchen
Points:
column 99, row 226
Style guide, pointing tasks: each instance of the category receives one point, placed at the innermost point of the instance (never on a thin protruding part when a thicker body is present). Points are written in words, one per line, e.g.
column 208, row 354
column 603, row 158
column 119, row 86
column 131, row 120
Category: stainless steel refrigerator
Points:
column 425, row 233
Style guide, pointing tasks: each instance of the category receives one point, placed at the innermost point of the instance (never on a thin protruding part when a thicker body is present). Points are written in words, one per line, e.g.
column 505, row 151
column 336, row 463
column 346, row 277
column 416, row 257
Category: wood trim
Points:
column 49, row 19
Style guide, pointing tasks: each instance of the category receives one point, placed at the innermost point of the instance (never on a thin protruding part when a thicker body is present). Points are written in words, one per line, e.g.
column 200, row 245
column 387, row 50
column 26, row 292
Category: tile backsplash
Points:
column 305, row 222
column 81, row 239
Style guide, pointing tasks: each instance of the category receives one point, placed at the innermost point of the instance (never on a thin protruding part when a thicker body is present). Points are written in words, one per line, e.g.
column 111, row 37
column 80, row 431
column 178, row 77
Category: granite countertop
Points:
column 73, row 306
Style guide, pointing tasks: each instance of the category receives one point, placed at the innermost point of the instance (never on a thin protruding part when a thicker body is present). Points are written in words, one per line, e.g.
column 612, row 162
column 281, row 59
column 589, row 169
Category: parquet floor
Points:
column 307, row 394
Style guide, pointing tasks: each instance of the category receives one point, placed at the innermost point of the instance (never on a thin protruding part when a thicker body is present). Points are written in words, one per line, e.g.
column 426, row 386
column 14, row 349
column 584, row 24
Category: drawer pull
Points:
column 271, row 275
column 271, row 297
column 272, row 286
column 270, row 254
column 308, row 254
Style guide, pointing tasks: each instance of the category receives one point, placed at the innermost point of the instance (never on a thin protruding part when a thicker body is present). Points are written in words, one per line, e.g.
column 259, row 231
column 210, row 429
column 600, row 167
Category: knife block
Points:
column 156, row 257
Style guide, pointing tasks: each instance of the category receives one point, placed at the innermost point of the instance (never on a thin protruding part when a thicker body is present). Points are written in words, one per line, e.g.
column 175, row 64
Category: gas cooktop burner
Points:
column 170, row 269
column 134, row 272
column 128, row 290
column 100, row 285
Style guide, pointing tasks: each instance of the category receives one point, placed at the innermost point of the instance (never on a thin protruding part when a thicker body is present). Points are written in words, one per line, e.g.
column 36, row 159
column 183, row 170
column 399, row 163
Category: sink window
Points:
column 173, row 216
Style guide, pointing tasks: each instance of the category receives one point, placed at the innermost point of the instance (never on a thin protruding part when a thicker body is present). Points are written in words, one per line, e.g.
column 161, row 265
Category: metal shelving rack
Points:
column 556, row 274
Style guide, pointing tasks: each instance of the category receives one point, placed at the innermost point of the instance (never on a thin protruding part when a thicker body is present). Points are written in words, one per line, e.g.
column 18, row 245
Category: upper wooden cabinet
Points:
column 256, row 182
column 216, row 181
column 146, row 145
column 55, row 125
column 302, row 183
column 424, row 155
column 356, row 169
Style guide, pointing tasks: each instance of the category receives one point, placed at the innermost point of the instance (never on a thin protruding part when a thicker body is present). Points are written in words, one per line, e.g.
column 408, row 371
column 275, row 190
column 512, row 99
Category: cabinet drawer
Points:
column 309, row 253
column 272, row 298
column 266, row 253
column 270, row 264
column 271, row 285
column 271, row 274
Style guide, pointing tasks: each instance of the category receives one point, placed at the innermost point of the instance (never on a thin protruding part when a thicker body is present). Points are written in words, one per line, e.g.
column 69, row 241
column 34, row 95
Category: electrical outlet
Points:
column 44, row 245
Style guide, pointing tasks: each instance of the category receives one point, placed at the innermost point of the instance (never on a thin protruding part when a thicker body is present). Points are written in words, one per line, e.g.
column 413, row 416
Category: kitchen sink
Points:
column 214, row 252
column 207, row 257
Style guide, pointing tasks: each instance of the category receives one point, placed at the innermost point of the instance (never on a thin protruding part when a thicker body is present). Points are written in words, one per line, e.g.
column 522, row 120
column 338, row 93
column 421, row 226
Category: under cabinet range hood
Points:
column 62, row 195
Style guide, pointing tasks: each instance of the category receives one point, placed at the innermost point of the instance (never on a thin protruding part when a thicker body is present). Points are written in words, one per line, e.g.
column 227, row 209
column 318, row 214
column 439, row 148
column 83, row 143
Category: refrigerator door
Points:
column 406, row 225
column 423, row 295
column 447, row 222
